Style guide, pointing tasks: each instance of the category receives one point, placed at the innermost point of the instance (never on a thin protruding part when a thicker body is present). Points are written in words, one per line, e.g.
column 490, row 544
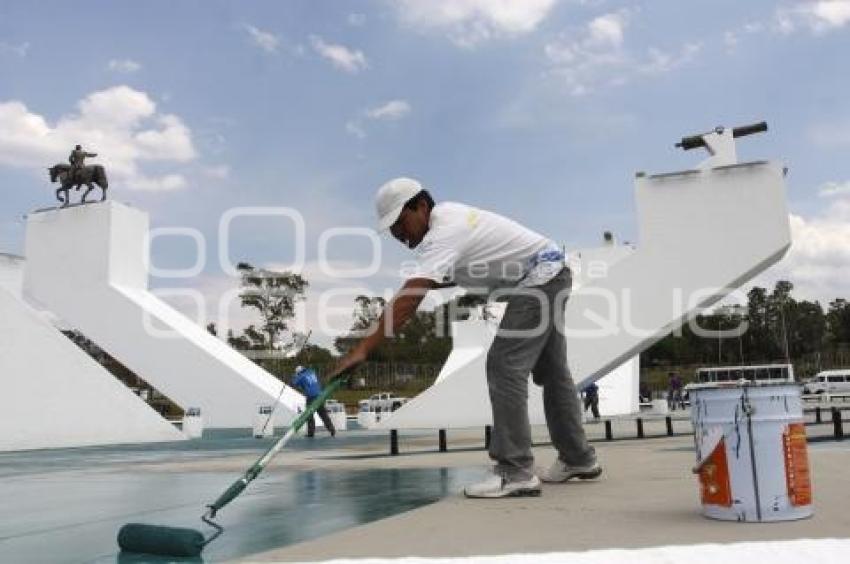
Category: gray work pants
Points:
column 531, row 340
column 323, row 414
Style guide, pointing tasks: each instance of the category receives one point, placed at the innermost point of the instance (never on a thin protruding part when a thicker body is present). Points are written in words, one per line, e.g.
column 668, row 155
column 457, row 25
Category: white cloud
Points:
column 660, row 61
column 341, row 57
column 121, row 124
column 165, row 183
column 831, row 189
column 585, row 57
column 833, row 134
column 265, row 40
column 393, row 110
column 355, row 127
column 469, row 22
column 356, row 20
column 217, row 172
column 607, row 29
column 730, row 40
column 816, row 16
column 123, row 65
column 19, row 50
column 820, row 252
column 595, row 55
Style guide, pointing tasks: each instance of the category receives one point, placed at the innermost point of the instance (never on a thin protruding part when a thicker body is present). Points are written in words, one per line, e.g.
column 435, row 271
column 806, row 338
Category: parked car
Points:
column 828, row 382
column 385, row 401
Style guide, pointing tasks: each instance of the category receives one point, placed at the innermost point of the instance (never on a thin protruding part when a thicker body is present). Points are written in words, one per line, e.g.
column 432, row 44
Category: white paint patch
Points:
column 821, row 551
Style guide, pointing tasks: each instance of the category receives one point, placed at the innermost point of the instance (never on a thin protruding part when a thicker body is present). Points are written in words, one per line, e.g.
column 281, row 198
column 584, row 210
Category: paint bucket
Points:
column 752, row 458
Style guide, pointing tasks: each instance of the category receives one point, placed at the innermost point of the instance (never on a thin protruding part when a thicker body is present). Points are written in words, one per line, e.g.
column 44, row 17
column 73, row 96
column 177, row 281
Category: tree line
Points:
column 778, row 328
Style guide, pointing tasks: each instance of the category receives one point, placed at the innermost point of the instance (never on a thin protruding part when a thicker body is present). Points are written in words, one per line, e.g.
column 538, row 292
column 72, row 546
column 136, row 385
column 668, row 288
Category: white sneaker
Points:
column 560, row 471
column 498, row 485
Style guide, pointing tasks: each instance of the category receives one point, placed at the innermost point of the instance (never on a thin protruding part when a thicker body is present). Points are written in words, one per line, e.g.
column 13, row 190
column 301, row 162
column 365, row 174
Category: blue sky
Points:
column 540, row 109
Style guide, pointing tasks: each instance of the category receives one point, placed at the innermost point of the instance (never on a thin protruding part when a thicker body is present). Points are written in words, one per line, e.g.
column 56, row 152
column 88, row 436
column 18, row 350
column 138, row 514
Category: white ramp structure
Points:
column 54, row 394
column 89, row 266
column 701, row 234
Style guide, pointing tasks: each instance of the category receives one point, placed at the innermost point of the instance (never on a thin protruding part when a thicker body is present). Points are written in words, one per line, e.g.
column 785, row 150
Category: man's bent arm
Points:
column 400, row 309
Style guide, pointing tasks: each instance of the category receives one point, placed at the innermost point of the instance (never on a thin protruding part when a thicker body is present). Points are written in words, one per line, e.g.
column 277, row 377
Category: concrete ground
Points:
column 345, row 497
column 647, row 497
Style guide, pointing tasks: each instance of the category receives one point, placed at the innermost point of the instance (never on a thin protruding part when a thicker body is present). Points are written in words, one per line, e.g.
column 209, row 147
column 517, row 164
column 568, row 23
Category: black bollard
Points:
column 488, row 430
column 837, row 424
column 639, row 428
column 393, row 442
column 608, row 434
column 669, row 421
column 443, row 440
column 817, row 415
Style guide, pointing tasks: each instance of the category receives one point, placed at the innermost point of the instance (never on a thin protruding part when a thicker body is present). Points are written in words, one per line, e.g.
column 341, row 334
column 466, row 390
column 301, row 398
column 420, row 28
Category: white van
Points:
column 829, row 382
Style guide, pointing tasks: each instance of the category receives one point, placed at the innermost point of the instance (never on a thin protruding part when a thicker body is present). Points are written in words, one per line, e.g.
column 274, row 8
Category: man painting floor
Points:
column 485, row 252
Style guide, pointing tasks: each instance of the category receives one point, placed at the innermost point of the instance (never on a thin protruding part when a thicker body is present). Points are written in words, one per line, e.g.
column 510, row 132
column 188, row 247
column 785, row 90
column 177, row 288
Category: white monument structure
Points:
column 54, row 394
column 701, row 234
column 89, row 266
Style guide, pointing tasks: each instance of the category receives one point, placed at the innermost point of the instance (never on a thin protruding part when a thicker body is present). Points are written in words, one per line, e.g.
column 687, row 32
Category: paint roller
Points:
column 184, row 542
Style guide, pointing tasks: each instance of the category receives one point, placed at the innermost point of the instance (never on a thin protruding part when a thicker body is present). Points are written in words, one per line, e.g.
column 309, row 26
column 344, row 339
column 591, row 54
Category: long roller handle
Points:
column 239, row 485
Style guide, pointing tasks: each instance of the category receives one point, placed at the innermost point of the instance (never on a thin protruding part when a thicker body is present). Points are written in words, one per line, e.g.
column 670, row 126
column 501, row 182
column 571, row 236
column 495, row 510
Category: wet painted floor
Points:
column 67, row 505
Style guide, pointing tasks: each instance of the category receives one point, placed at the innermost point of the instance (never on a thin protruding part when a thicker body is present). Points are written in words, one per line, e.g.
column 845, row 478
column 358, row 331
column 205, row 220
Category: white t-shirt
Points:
column 483, row 250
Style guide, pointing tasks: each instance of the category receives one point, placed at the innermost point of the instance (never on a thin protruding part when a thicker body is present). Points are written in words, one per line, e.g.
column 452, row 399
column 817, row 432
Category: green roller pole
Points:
column 181, row 542
column 239, row 485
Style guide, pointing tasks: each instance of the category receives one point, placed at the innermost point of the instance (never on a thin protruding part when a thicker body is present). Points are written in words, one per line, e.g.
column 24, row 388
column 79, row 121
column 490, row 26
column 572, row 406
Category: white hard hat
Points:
column 391, row 197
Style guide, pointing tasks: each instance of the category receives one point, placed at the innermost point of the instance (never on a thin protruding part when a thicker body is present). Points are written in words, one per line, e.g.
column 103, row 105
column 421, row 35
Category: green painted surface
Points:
column 67, row 505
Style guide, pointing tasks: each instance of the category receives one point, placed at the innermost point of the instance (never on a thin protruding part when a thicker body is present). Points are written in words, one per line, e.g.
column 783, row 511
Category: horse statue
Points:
column 88, row 175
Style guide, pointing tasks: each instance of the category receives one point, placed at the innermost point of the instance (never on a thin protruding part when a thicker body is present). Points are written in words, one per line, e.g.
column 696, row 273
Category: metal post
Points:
column 837, row 424
column 639, row 428
column 443, row 440
column 393, row 442
column 817, row 415
column 608, row 434
column 488, row 430
column 669, row 421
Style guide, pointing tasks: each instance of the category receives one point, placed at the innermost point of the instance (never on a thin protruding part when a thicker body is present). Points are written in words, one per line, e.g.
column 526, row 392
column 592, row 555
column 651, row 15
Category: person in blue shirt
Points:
column 591, row 399
column 307, row 382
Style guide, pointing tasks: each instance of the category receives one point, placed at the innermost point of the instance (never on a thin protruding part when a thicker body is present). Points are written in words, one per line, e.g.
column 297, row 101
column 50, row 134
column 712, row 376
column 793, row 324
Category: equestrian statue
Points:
column 77, row 173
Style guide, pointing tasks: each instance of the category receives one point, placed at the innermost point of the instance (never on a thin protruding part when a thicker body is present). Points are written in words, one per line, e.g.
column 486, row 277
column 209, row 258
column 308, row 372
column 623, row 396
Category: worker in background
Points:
column 306, row 381
column 488, row 253
column 674, row 392
column 591, row 399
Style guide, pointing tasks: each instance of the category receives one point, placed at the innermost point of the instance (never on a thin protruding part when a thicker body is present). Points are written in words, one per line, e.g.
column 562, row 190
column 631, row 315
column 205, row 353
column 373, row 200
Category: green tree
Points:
column 273, row 296
column 838, row 321
column 367, row 311
column 416, row 342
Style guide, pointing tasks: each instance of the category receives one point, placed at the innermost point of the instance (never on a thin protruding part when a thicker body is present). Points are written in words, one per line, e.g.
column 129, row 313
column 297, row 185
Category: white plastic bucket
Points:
column 193, row 423
column 752, row 458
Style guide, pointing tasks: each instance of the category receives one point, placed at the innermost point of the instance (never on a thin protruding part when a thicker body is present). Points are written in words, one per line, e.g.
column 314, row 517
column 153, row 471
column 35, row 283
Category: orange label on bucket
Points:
column 797, row 465
column 714, row 478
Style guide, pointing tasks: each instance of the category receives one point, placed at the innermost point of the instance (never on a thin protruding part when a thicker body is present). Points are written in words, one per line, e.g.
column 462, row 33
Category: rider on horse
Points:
column 77, row 158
